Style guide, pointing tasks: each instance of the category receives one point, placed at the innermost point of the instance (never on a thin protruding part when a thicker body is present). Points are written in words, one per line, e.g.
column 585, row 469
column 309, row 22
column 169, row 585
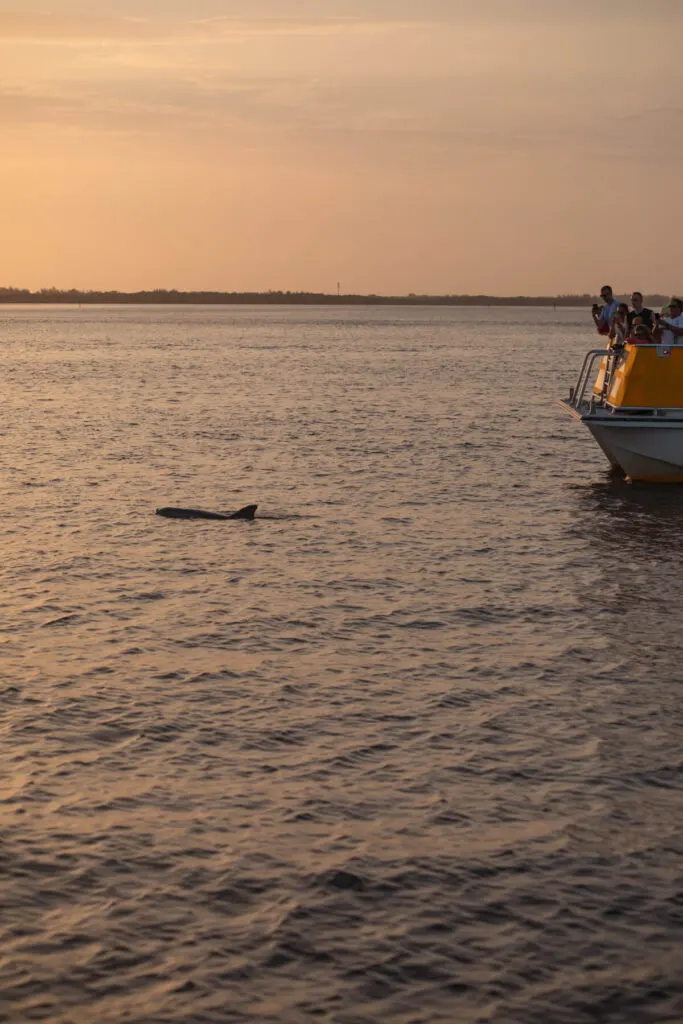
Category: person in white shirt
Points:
column 669, row 330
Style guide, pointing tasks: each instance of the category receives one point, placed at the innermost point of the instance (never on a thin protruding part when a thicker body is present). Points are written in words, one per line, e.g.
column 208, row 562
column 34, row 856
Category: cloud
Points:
column 233, row 26
column 55, row 28
column 19, row 108
column 589, row 13
column 483, row 77
column 59, row 28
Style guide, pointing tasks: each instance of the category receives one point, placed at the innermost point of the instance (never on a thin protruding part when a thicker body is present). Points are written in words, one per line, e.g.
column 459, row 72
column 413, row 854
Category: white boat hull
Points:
column 650, row 453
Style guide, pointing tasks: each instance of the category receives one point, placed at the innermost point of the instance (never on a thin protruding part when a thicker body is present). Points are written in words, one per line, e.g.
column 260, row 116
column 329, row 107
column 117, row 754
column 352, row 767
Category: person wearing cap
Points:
column 669, row 330
column 603, row 317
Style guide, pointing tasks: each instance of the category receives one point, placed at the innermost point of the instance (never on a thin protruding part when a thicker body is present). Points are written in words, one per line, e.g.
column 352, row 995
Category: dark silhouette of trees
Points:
column 163, row 296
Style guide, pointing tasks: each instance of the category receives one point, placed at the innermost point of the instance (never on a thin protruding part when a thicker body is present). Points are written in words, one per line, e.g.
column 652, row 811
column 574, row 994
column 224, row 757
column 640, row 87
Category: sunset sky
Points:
column 437, row 146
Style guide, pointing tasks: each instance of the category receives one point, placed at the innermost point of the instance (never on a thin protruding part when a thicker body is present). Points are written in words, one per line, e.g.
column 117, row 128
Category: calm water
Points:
column 407, row 749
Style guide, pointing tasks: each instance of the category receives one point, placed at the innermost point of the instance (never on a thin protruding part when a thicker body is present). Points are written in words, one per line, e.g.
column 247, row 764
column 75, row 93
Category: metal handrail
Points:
column 577, row 394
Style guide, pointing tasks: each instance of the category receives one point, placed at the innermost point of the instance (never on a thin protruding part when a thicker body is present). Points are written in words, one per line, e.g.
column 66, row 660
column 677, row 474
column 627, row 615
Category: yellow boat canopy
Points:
column 645, row 377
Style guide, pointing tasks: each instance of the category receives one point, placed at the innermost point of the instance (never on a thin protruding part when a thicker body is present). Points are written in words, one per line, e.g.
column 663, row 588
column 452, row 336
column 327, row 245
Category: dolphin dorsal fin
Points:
column 248, row 512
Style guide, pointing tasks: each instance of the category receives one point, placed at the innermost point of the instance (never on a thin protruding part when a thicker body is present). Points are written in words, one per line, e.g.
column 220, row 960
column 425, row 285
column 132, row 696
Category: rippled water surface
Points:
column 407, row 748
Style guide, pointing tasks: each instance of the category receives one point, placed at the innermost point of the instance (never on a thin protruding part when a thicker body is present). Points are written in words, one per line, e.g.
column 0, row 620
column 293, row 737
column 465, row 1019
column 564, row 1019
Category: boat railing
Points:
column 587, row 376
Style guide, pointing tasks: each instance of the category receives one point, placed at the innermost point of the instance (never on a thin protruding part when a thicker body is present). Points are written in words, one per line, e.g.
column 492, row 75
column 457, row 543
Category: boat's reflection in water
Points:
column 628, row 587
column 640, row 518
column 633, row 584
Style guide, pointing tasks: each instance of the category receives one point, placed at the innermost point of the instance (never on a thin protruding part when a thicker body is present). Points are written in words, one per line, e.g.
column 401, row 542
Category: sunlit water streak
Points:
column 406, row 749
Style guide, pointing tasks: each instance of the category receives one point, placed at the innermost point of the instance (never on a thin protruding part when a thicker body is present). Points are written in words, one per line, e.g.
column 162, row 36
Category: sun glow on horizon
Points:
column 431, row 148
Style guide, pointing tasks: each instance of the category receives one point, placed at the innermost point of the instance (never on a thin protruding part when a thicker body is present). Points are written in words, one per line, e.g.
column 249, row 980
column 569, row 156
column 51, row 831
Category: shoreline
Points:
column 161, row 297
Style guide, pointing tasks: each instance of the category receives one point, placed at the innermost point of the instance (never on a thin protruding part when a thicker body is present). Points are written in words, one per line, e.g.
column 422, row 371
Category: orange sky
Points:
column 507, row 146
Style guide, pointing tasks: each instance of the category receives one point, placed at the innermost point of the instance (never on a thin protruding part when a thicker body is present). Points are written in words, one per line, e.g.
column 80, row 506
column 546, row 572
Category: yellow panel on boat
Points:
column 644, row 379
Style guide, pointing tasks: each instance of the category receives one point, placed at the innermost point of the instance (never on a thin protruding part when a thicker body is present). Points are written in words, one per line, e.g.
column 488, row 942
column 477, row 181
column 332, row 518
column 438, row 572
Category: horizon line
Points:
column 10, row 295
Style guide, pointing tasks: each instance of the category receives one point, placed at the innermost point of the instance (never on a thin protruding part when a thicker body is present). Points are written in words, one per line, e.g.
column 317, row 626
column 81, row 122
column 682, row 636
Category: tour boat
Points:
column 631, row 399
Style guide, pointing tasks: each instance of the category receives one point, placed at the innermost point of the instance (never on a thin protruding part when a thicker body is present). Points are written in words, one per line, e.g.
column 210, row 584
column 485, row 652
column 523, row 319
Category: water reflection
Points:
column 639, row 518
column 634, row 537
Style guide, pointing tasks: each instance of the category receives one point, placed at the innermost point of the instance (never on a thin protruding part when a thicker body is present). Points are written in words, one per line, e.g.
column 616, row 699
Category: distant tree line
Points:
column 163, row 296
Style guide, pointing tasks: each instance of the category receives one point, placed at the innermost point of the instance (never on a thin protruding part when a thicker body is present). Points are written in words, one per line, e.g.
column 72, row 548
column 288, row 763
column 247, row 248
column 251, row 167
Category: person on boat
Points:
column 669, row 329
column 603, row 317
column 640, row 332
column 640, row 311
column 620, row 328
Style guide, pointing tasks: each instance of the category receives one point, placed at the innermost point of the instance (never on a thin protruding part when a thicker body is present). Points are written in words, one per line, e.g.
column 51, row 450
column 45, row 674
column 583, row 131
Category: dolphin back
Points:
column 247, row 512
